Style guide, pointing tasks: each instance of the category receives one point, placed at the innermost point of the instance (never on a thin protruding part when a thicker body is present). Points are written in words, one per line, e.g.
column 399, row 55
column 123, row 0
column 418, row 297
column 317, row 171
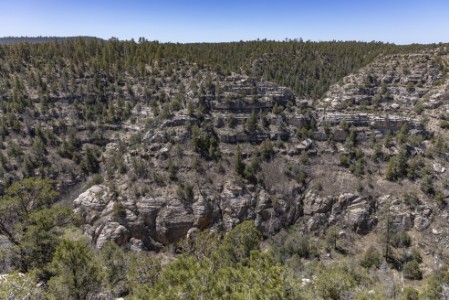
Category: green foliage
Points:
column 444, row 124
column 288, row 244
column 419, row 108
column 20, row 286
column 410, row 293
column 104, row 80
column 266, row 149
column 29, row 221
column 89, row 163
column 144, row 272
column 397, row 166
column 42, row 232
column 205, row 144
column 171, row 170
column 400, row 239
column 77, row 275
column 435, row 283
column 118, row 210
column 97, row 179
column 440, row 199
column 251, row 122
column 188, row 278
column 239, row 165
column 402, row 135
column 249, row 173
column 333, row 283
column 185, row 193
column 115, row 269
column 427, row 185
column 239, row 242
column 344, row 125
column 416, row 255
column 411, row 270
column 371, row 258
column 332, row 237
column 234, row 270
column 345, row 160
column 351, row 140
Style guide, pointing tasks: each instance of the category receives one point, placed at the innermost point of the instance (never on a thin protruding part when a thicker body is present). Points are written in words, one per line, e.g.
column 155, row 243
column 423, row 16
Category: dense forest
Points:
column 140, row 121
column 309, row 68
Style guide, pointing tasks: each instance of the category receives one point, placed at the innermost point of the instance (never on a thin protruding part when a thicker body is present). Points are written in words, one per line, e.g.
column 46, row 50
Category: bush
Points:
column 410, row 294
column 239, row 242
column 415, row 255
column 427, row 185
column 444, row 124
column 371, row 258
column 345, row 161
column 419, row 108
column 118, row 210
column 411, row 270
column 266, row 149
column 97, row 179
column 334, row 283
column 401, row 240
column 185, row 193
column 299, row 245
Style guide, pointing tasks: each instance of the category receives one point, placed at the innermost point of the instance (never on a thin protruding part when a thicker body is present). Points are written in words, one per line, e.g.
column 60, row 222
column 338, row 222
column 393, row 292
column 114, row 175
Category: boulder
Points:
column 438, row 168
column 314, row 204
column 112, row 231
column 91, row 203
column 304, row 145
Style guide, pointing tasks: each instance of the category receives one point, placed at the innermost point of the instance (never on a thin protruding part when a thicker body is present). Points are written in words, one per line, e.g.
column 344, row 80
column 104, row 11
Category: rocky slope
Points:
column 151, row 150
column 309, row 164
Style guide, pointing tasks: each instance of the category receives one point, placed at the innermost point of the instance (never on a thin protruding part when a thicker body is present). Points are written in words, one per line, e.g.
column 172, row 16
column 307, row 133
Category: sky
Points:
column 394, row 21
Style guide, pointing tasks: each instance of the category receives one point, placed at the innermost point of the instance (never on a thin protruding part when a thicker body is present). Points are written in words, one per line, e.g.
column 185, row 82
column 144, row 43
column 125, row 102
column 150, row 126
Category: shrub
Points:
column 97, row 179
column 299, row 245
column 118, row 210
column 266, row 149
column 334, row 283
column 371, row 258
column 401, row 240
column 185, row 193
column 239, row 242
column 427, row 185
column 411, row 270
column 444, row 124
column 439, row 198
column 410, row 294
column 415, row 255
column 419, row 108
column 345, row 161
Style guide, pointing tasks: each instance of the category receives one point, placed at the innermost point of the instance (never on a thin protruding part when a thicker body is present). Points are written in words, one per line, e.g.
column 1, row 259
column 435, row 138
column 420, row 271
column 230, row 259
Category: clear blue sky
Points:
column 397, row 21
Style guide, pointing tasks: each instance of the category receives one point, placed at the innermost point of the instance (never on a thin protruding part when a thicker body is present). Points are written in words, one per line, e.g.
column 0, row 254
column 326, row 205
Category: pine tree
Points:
column 239, row 165
column 78, row 275
column 251, row 123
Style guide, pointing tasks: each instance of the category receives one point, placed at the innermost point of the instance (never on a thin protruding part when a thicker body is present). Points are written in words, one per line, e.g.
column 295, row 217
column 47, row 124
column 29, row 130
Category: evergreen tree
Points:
column 30, row 222
column 77, row 274
column 239, row 165
column 251, row 123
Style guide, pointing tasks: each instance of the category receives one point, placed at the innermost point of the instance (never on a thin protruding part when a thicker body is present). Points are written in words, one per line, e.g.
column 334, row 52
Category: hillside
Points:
column 334, row 152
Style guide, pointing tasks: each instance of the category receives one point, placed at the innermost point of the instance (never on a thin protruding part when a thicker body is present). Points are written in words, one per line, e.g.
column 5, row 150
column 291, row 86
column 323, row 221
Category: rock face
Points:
column 373, row 121
column 349, row 210
column 91, row 204
column 393, row 82
column 150, row 223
